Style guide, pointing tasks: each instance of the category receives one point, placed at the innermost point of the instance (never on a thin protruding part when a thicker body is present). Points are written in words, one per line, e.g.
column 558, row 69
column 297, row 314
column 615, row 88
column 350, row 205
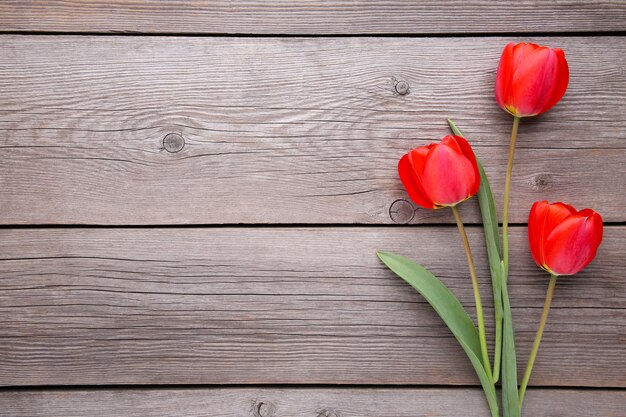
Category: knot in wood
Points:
column 402, row 87
column 173, row 142
column 540, row 182
column 401, row 211
column 263, row 409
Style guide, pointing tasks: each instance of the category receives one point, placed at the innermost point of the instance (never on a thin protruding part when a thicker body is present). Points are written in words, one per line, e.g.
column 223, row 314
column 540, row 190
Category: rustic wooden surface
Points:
column 312, row 16
column 240, row 306
column 312, row 402
column 285, row 130
column 277, row 156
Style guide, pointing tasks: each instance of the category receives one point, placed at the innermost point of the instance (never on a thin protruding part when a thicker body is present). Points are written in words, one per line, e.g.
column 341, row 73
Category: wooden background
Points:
column 192, row 194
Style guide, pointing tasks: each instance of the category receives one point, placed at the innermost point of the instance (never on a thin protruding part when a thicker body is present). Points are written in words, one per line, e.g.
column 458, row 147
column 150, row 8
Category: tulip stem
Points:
column 479, row 305
column 542, row 325
column 507, row 191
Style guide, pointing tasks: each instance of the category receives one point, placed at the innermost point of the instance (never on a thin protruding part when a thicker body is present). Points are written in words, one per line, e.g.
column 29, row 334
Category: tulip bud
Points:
column 440, row 174
column 530, row 79
column 562, row 240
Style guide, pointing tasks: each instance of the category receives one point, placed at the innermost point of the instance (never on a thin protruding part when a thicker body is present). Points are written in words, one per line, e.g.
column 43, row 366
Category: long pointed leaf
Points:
column 510, row 394
column 451, row 312
column 510, row 398
column 494, row 252
column 455, row 129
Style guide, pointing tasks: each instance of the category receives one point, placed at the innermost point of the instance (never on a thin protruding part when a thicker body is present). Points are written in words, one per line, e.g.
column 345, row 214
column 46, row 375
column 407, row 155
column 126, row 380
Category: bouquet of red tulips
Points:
column 530, row 80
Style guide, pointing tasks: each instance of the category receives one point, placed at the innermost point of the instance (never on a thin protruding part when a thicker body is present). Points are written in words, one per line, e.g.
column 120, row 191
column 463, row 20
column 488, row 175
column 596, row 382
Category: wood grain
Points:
column 309, row 402
column 285, row 130
column 281, row 305
column 311, row 17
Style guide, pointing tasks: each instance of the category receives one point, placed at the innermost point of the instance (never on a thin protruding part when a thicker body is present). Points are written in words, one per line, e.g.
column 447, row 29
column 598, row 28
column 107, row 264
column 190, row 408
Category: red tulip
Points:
column 440, row 174
column 562, row 240
column 531, row 78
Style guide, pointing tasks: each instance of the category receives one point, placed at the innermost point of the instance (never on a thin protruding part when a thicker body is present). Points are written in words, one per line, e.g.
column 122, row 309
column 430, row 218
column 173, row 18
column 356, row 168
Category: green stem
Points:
column 479, row 305
column 542, row 325
column 507, row 190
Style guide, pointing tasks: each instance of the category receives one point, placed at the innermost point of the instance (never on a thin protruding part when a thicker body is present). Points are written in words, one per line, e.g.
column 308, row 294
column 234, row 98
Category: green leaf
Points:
column 451, row 312
column 490, row 220
column 504, row 330
column 510, row 395
column 494, row 252
column 455, row 129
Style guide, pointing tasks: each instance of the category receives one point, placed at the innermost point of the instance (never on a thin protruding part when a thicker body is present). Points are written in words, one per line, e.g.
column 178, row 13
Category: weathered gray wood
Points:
column 268, row 305
column 296, row 130
column 312, row 17
column 309, row 402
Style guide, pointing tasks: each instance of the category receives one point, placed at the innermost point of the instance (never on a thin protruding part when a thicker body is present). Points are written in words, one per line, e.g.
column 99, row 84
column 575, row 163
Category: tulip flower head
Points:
column 562, row 240
column 440, row 174
column 531, row 79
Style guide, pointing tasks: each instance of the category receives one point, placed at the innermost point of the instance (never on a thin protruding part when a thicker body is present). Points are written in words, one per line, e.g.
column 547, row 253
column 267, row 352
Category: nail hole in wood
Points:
column 264, row 409
column 402, row 87
column 401, row 211
column 173, row 142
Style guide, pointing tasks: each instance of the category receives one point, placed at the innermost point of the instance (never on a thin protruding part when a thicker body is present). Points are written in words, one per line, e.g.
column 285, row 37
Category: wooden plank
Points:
column 291, row 130
column 281, row 305
column 307, row 402
column 311, row 17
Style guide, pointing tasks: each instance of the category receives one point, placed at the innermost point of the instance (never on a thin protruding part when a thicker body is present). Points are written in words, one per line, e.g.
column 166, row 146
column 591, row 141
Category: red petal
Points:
column 528, row 83
column 467, row 150
column 417, row 158
column 451, row 142
column 573, row 244
column 448, row 176
column 504, row 74
column 557, row 213
column 557, row 84
column 536, row 221
column 411, row 183
column 521, row 52
column 544, row 218
column 596, row 224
